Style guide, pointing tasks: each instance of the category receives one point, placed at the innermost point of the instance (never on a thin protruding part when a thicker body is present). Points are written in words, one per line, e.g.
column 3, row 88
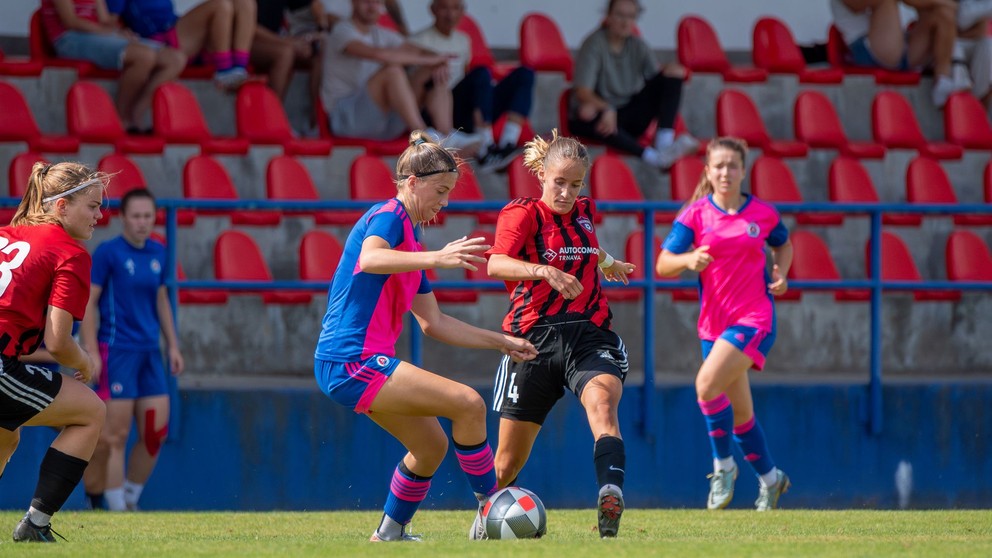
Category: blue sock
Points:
column 406, row 492
column 477, row 462
column 719, row 417
column 751, row 438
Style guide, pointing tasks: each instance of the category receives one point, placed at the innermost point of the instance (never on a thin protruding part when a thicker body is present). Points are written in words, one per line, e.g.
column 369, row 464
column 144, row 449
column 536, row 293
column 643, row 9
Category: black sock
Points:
column 96, row 501
column 610, row 460
column 60, row 473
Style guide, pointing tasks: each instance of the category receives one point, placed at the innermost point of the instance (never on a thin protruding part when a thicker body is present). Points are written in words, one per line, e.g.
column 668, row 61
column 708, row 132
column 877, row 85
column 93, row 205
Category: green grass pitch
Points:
column 571, row 533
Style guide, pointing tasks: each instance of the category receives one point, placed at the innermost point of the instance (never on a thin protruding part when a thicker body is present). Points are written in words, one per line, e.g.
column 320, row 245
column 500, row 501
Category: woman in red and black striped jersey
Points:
column 547, row 252
column 44, row 286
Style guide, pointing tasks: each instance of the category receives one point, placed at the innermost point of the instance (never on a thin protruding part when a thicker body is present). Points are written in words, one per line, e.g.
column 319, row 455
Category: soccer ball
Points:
column 514, row 513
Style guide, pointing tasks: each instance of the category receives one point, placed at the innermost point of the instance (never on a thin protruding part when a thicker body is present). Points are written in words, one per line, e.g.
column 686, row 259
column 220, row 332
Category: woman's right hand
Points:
column 91, row 372
column 566, row 284
column 698, row 259
column 462, row 253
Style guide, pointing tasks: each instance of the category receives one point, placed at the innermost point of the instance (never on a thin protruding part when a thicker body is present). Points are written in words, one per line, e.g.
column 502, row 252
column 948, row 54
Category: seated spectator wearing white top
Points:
column 875, row 37
column 367, row 92
column 478, row 99
column 974, row 46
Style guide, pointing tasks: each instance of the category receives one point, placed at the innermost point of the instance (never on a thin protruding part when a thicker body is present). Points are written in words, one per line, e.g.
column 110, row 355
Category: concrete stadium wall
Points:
column 292, row 449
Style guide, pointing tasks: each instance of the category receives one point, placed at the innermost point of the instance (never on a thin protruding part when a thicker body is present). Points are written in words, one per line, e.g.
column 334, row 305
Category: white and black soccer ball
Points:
column 515, row 513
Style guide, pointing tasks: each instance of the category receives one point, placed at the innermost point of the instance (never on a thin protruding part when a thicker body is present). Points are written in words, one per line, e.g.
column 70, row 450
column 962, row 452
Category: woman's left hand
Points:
column 618, row 271
column 779, row 283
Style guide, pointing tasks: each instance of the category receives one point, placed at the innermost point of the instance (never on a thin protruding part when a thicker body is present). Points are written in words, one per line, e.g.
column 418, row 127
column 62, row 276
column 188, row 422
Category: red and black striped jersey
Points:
column 530, row 231
column 40, row 265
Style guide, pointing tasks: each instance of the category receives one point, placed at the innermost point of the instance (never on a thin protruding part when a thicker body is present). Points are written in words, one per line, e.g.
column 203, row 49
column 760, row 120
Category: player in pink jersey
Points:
column 721, row 234
column 44, row 286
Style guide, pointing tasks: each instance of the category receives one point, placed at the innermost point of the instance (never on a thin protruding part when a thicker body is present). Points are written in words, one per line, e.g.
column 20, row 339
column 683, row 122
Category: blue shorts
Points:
column 133, row 374
column 106, row 51
column 753, row 342
column 859, row 54
column 358, row 116
column 354, row 384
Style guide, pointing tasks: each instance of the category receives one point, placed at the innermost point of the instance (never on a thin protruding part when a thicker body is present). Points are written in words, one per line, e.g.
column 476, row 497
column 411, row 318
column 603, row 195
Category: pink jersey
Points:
column 734, row 287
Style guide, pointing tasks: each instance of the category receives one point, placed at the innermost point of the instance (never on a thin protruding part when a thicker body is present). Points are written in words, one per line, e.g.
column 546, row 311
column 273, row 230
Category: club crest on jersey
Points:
column 550, row 255
column 156, row 266
column 585, row 222
column 381, row 361
column 753, row 230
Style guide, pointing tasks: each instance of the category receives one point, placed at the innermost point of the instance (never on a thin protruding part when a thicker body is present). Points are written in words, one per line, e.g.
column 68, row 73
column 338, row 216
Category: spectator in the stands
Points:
column 875, row 36
column 478, row 99
column 974, row 46
column 367, row 91
column 84, row 29
column 217, row 32
column 620, row 87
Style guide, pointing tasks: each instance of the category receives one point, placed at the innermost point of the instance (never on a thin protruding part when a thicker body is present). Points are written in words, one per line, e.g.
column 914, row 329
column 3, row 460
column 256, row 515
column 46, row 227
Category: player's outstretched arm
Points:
column 378, row 256
column 506, row 268
column 453, row 331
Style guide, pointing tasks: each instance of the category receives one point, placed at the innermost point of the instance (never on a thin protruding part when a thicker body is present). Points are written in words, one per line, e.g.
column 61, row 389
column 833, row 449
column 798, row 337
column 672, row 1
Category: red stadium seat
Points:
column 19, row 67
column 773, row 181
column 206, row 179
column 775, row 50
column 542, row 47
column 262, row 120
column 127, row 176
column 737, row 116
column 18, row 124
column 522, row 183
column 927, row 182
column 371, row 180
column 812, row 262
column 686, row 174
column 91, row 116
column 966, row 123
column 967, row 257
column 467, row 189
column 894, row 125
column 287, row 179
column 177, row 118
column 816, row 123
column 610, row 179
column 320, row 254
column 526, row 130
column 237, row 258
column 849, row 182
column 17, row 179
column 837, row 56
column 898, row 265
column 699, row 50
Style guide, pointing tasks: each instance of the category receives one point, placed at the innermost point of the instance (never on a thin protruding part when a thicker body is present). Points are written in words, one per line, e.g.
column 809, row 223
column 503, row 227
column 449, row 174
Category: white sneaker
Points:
column 466, row 144
column 970, row 11
column 682, row 146
column 942, row 89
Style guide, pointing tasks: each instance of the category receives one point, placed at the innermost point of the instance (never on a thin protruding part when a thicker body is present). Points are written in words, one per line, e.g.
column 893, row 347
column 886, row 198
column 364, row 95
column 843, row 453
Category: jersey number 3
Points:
column 7, row 247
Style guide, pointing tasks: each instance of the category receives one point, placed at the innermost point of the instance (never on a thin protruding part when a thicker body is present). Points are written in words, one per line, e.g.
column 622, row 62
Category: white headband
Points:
column 89, row 182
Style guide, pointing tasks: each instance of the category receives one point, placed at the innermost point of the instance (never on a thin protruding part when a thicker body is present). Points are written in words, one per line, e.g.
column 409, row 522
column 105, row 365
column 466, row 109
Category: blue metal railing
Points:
column 649, row 285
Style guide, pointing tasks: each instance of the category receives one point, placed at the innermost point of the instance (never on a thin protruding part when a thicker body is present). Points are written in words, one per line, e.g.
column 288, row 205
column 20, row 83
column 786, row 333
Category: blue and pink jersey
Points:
column 734, row 287
column 129, row 278
column 365, row 310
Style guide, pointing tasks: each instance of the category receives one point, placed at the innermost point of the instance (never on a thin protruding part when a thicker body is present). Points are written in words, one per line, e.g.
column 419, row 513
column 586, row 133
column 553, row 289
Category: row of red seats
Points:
column 967, row 258
column 610, row 179
column 237, row 257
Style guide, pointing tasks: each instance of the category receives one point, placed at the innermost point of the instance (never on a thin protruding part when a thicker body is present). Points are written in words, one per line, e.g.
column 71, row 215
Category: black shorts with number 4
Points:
column 25, row 391
column 570, row 353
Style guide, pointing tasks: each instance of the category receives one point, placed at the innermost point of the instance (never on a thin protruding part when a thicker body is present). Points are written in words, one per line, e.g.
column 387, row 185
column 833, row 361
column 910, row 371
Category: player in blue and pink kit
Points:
column 721, row 233
column 380, row 277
